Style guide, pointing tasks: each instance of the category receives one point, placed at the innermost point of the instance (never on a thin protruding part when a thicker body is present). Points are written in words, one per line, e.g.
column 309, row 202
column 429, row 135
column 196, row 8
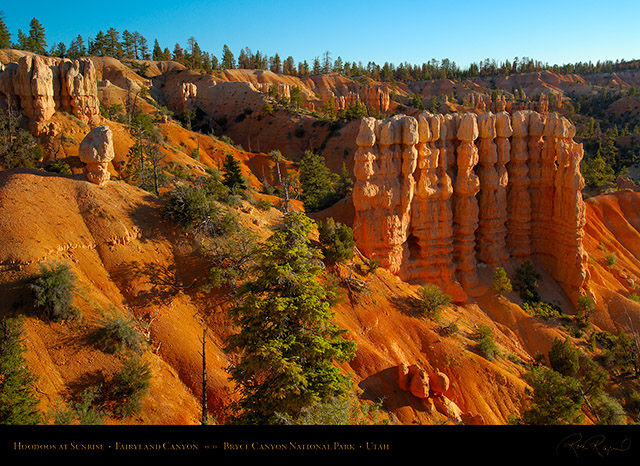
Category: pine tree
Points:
column 317, row 183
column 97, row 47
column 178, row 53
column 37, row 39
column 157, row 51
column 232, row 174
column 5, row 35
column 286, row 343
column 228, row 61
column 142, row 47
column 77, row 48
column 555, row 399
column 243, row 60
column 18, row 403
column 501, row 282
column 564, row 357
column 128, row 45
column 112, row 47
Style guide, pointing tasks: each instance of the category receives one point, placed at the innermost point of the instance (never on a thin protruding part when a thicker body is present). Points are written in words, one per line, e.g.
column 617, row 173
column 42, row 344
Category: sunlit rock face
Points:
column 40, row 86
column 437, row 196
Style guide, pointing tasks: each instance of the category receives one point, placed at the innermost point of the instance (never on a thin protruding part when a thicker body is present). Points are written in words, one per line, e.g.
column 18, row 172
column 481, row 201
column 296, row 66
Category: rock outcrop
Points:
column 438, row 194
column 96, row 151
column 40, row 86
column 430, row 388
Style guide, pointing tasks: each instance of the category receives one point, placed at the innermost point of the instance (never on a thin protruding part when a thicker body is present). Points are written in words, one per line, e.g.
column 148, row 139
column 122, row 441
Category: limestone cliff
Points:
column 438, row 194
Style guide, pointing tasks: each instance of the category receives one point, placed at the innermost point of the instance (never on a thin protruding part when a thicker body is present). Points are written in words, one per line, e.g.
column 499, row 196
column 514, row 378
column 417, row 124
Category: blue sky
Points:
column 555, row 32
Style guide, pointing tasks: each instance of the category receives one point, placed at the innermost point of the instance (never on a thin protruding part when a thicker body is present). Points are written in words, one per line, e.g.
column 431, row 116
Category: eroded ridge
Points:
column 436, row 196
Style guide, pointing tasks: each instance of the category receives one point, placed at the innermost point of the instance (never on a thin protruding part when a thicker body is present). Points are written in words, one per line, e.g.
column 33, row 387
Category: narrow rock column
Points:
column 488, row 237
column 519, row 201
column 366, row 189
column 535, row 144
column 425, row 209
column 466, row 212
column 546, row 230
column 504, row 131
column 571, row 266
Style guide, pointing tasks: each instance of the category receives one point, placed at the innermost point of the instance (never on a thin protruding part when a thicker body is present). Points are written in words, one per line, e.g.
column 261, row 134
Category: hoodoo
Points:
column 40, row 86
column 438, row 194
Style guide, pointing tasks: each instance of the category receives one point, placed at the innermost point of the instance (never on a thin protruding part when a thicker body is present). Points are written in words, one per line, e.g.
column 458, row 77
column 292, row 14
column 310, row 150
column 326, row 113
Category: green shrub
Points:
column 485, row 343
column 53, row 291
column 81, row 412
column 197, row 210
column 18, row 401
column 608, row 409
column 431, row 299
column 585, row 307
column 526, row 282
column 371, row 265
column 337, row 240
column 543, row 309
column 611, row 259
column 116, row 334
column 57, row 166
column 564, row 357
column 501, row 282
column 555, row 399
column 130, row 385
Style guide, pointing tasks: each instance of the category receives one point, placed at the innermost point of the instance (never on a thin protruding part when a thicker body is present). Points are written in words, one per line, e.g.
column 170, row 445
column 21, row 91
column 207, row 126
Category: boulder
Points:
column 96, row 151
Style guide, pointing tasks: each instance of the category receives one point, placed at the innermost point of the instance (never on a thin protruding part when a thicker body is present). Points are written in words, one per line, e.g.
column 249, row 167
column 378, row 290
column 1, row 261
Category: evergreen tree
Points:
column 501, row 282
column 5, row 35
column 23, row 41
column 112, row 47
column 77, row 48
column 526, row 282
column 276, row 64
column 228, row 61
column 564, row 357
column 317, row 182
column 157, row 51
column 597, row 172
column 243, row 60
column 289, row 66
column 232, row 174
column 97, row 47
column 178, row 53
column 37, row 39
column 286, row 344
column 142, row 47
column 337, row 240
column 18, row 403
column 128, row 45
column 555, row 399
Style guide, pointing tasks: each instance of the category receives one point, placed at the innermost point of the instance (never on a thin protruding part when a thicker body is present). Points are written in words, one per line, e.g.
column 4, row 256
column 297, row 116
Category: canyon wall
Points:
column 438, row 195
column 39, row 86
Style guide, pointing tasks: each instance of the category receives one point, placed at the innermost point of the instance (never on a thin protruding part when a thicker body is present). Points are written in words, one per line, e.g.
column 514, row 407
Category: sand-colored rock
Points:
column 447, row 407
column 438, row 382
column 519, row 197
column 40, row 86
column 96, row 151
column 437, row 194
column 491, row 237
column 419, row 384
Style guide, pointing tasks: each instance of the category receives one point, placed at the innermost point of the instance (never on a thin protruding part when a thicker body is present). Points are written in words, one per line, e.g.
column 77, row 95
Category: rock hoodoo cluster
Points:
column 438, row 194
column 40, row 86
